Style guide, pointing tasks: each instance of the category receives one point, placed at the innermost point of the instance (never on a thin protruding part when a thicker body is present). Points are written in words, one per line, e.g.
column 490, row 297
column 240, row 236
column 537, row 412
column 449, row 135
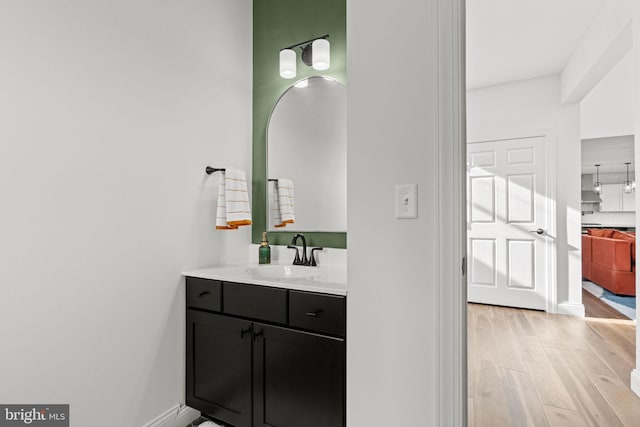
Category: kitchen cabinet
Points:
column 265, row 357
column 611, row 198
column 629, row 202
column 614, row 199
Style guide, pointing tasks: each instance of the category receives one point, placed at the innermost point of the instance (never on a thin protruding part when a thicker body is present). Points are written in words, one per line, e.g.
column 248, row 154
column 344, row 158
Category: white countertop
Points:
column 328, row 280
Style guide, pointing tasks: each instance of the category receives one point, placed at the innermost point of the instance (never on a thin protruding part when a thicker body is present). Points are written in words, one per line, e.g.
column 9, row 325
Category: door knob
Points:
column 540, row 231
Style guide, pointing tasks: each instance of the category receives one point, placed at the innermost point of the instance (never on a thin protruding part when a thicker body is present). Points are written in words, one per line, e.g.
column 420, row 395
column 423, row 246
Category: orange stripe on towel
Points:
column 235, row 224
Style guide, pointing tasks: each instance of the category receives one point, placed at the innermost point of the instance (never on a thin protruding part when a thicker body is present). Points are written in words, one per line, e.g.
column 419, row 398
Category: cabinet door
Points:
column 629, row 201
column 219, row 367
column 299, row 379
column 611, row 198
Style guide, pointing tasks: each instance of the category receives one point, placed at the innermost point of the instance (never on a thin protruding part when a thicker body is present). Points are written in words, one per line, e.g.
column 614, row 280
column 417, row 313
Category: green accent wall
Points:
column 278, row 24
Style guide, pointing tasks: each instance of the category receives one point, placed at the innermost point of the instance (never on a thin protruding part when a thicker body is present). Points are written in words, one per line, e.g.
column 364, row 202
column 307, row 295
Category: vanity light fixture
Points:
column 287, row 63
column 315, row 53
column 628, row 185
column 597, row 186
column 321, row 56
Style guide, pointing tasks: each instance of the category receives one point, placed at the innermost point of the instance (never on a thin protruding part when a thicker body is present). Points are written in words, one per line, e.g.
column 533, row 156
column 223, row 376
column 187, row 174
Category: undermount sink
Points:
column 284, row 271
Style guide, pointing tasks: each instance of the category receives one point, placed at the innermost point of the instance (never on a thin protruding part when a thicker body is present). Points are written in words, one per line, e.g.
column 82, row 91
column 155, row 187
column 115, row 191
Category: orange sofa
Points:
column 609, row 260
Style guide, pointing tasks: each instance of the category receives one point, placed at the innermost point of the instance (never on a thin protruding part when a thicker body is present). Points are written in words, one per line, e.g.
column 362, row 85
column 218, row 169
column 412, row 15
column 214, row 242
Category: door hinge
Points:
column 464, row 265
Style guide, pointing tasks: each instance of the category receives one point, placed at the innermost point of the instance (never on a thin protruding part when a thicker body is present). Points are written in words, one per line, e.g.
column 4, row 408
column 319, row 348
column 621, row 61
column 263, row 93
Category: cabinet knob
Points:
column 314, row 313
column 245, row 332
column 258, row 334
column 203, row 293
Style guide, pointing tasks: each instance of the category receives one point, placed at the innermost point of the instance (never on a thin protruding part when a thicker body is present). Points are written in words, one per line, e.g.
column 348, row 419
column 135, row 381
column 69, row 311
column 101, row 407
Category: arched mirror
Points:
column 307, row 144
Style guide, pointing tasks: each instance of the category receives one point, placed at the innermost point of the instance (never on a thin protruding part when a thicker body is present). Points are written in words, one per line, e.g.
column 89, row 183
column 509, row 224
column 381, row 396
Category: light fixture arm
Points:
column 293, row 46
column 627, row 163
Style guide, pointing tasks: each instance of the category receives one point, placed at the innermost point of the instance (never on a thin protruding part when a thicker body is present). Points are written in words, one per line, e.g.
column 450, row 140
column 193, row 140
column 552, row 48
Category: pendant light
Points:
column 628, row 185
column 597, row 186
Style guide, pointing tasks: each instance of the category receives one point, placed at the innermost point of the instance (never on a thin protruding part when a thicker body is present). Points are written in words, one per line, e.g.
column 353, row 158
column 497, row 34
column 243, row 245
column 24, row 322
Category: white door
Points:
column 508, row 213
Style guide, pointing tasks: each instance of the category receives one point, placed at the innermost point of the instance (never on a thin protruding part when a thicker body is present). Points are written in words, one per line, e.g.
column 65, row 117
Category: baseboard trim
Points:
column 571, row 309
column 635, row 381
column 177, row 416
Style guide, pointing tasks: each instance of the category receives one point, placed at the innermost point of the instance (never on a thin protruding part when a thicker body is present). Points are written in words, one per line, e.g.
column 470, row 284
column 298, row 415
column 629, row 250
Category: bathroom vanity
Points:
column 265, row 345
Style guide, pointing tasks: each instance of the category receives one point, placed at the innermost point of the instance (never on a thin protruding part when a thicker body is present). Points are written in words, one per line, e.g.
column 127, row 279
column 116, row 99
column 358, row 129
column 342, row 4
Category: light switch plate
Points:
column 407, row 201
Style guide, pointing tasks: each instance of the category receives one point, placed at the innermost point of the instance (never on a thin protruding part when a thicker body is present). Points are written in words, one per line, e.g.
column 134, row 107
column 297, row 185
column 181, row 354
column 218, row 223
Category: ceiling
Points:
column 512, row 40
column 611, row 153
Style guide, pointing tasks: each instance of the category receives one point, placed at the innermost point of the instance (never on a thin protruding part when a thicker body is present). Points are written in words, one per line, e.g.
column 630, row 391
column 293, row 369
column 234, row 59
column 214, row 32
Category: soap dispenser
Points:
column 264, row 252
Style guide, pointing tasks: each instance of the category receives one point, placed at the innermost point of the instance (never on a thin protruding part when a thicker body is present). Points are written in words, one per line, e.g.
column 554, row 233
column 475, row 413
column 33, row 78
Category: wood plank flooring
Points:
column 529, row 368
column 593, row 307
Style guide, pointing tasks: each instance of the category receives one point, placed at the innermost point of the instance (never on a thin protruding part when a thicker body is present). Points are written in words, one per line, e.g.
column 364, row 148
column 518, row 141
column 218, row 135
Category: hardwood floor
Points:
column 594, row 307
column 529, row 368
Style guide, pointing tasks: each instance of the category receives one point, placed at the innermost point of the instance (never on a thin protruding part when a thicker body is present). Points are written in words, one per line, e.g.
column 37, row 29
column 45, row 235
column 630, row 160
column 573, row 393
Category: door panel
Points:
column 483, row 262
column 520, row 198
column 299, row 379
column 483, row 196
column 507, row 202
column 219, row 366
column 521, row 263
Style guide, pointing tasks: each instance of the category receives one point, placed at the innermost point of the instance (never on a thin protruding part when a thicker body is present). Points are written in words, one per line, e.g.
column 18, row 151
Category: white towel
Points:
column 283, row 202
column 233, row 201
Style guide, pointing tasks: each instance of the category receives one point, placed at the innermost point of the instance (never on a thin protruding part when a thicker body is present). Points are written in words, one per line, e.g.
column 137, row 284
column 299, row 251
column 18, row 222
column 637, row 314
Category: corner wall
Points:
column 392, row 138
column 607, row 110
column 533, row 106
column 110, row 111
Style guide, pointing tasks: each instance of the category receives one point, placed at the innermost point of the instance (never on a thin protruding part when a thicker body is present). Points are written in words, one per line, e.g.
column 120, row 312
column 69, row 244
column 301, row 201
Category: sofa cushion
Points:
column 626, row 236
column 601, row 232
column 622, row 235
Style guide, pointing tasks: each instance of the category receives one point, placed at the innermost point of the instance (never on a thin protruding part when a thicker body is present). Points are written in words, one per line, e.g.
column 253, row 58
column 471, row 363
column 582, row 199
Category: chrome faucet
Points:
column 304, row 261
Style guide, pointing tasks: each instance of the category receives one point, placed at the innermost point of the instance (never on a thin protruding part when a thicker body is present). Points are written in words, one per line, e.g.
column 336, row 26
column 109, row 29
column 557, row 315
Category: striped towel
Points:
column 283, row 202
column 233, row 201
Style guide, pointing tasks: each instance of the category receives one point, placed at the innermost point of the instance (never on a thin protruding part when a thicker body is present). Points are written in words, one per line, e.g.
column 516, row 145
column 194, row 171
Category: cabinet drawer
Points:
column 317, row 312
column 255, row 302
column 204, row 293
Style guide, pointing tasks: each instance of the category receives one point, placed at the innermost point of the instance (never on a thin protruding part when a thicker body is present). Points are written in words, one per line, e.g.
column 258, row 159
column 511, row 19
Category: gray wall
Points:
column 109, row 112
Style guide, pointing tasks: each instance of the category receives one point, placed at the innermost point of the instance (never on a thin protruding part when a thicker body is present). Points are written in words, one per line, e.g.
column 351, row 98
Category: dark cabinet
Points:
column 251, row 365
column 299, row 379
column 218, row 353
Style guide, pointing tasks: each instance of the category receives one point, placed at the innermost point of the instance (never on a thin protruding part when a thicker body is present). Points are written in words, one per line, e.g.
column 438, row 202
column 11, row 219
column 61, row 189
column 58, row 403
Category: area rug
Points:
column 625, row 305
